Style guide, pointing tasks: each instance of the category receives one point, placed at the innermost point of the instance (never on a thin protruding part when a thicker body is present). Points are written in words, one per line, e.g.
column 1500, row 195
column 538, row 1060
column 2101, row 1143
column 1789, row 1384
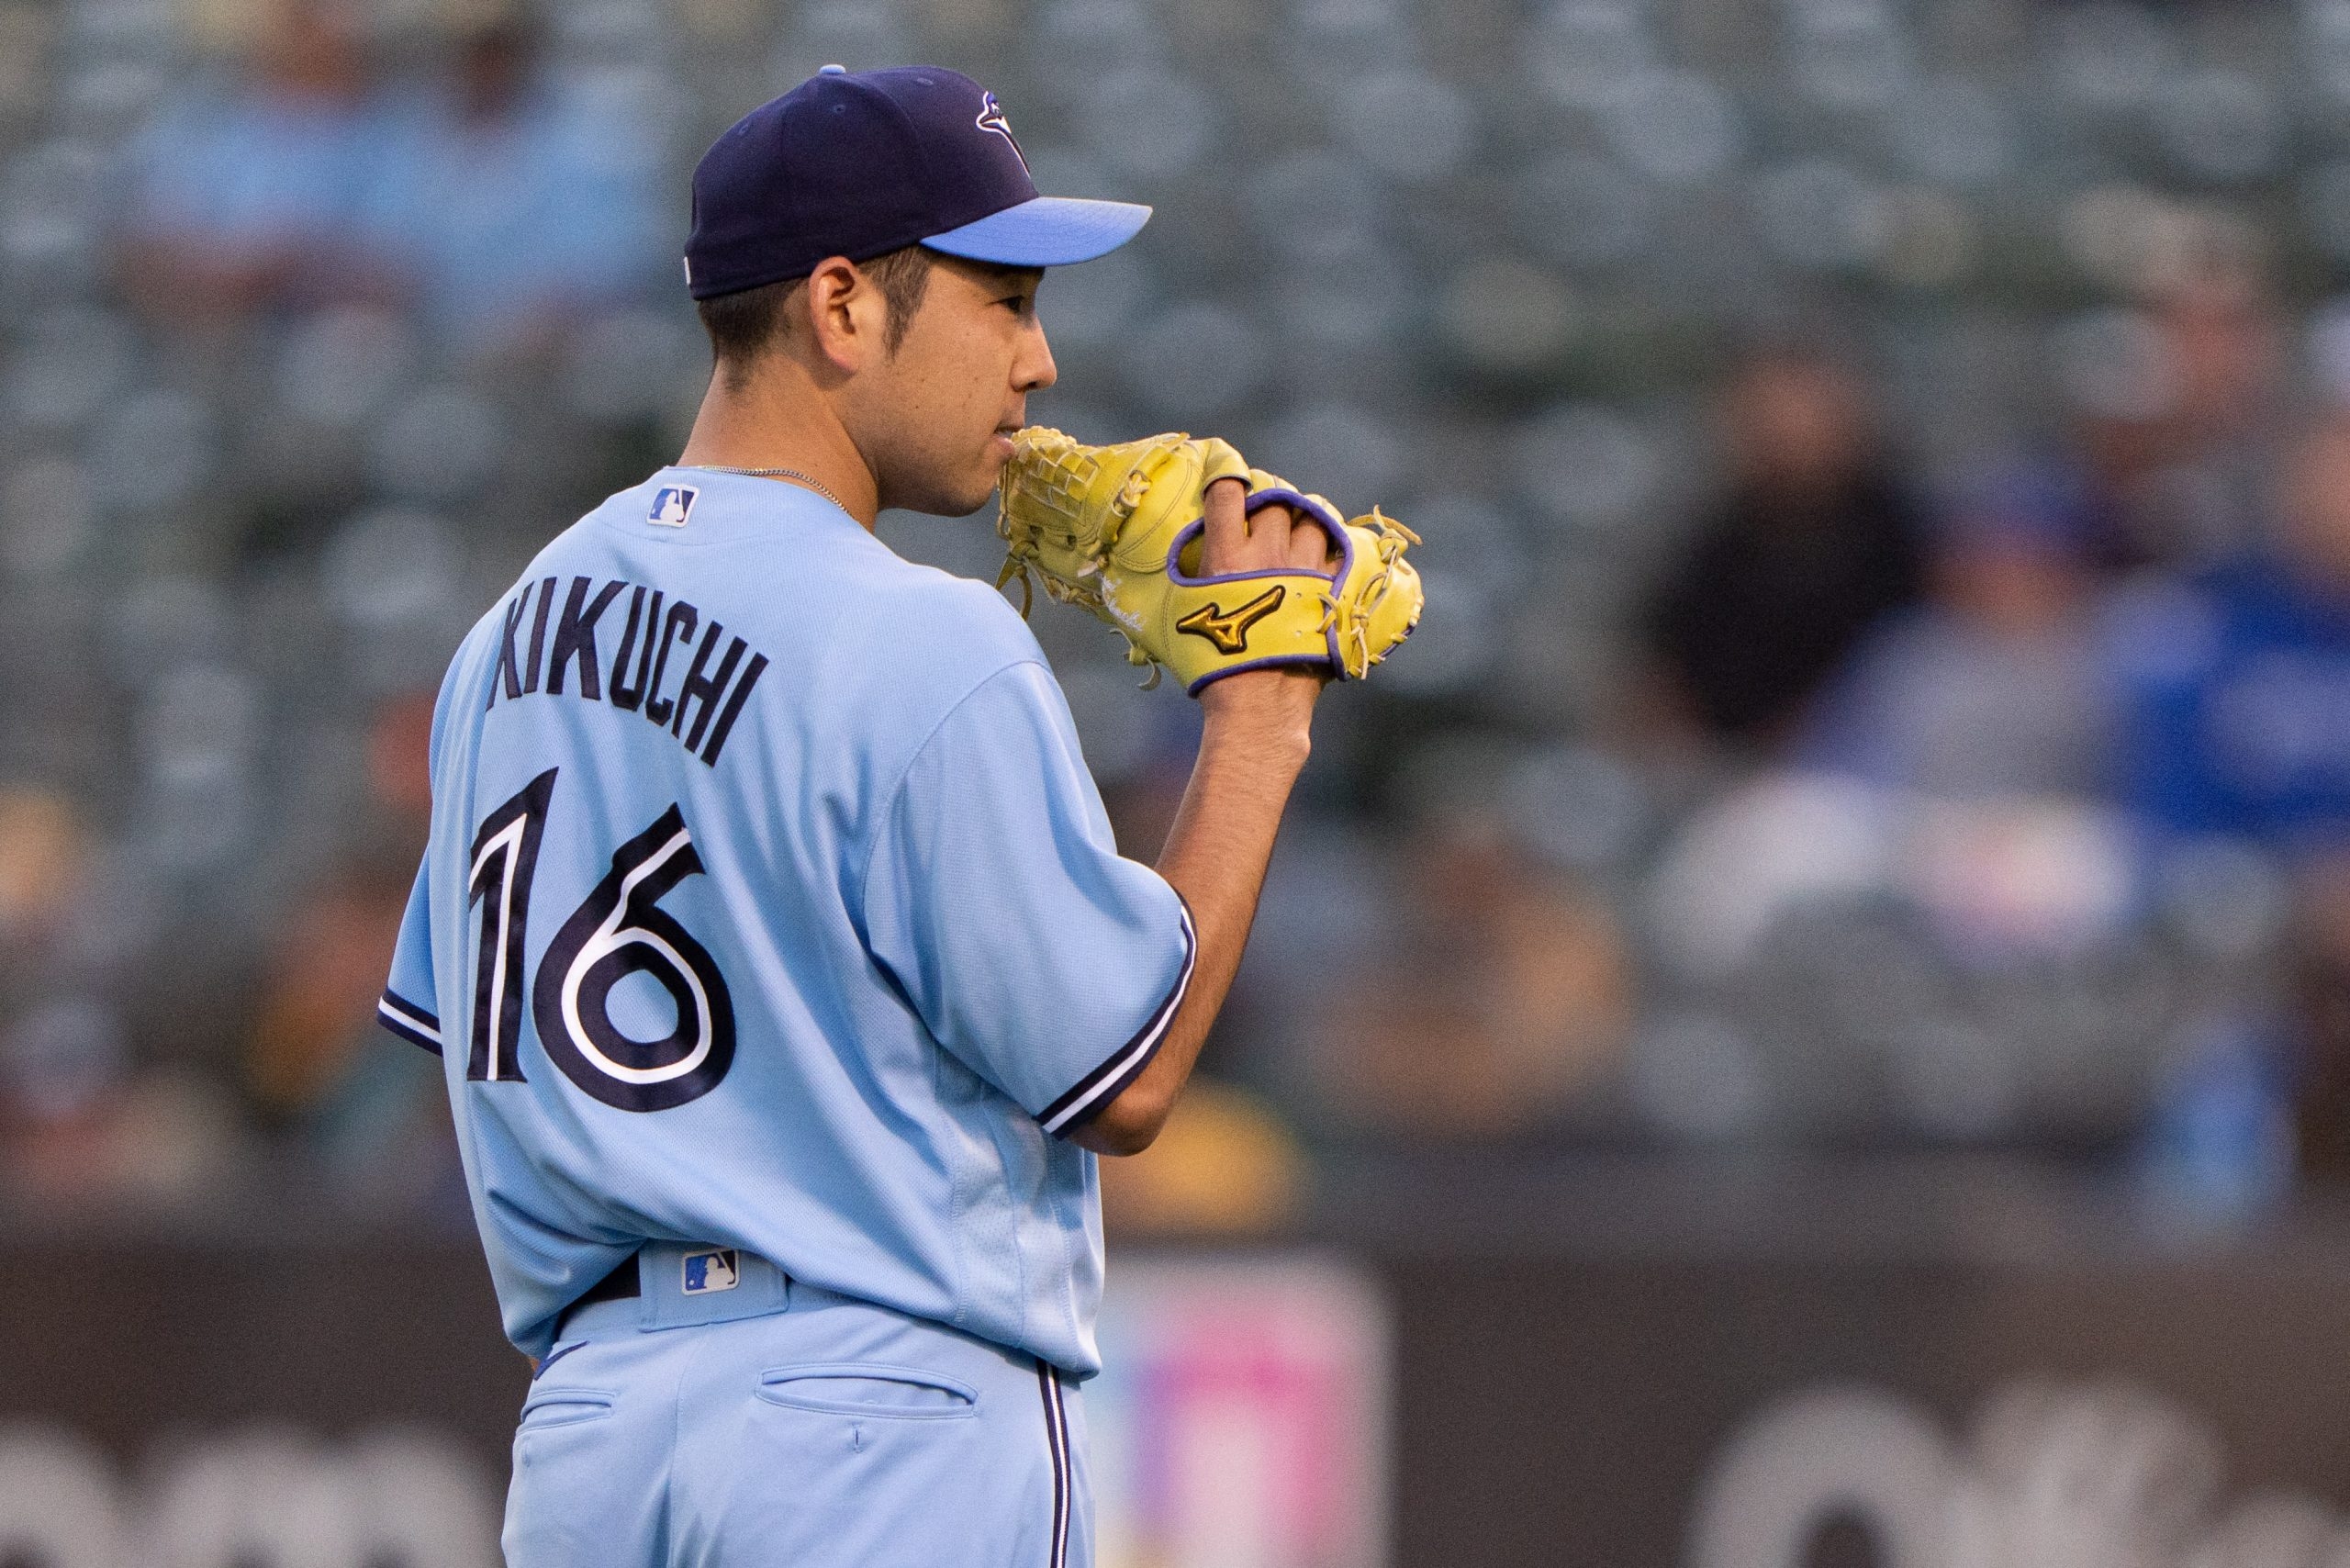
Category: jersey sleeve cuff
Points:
column 1106, row 1083
column 413, row 1023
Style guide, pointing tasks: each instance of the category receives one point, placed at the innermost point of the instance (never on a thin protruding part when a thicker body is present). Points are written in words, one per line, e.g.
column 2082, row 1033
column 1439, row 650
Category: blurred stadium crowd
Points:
column 1885, row 470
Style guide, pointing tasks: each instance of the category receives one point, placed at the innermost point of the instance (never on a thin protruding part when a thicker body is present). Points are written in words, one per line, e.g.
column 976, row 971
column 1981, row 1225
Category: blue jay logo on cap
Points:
column 707, row 1273
column 992, row 118
column 673, row 504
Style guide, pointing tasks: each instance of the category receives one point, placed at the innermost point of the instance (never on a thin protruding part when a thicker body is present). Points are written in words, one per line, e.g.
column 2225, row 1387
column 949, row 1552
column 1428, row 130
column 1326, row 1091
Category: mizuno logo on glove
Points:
column 1230, row 633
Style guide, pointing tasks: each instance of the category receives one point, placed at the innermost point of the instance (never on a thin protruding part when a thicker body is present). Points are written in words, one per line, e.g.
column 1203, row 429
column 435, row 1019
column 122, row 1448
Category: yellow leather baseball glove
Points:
column 1119, row 530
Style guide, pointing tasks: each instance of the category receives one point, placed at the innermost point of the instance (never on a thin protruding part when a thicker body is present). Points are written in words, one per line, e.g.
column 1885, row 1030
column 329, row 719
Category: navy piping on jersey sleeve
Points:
column 1106, row 1083
column 413, row 1023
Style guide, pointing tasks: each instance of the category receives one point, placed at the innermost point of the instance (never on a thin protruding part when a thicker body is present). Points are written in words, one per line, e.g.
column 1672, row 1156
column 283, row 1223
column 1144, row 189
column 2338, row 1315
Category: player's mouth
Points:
column 1004, row 435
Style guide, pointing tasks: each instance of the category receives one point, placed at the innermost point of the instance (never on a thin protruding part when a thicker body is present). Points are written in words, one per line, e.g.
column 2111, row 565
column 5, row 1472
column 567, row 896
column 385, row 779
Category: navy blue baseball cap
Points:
column 860, row 163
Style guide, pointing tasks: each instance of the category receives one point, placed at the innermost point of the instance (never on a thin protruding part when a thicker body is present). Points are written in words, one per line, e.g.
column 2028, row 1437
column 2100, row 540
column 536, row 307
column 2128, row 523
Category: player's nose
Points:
column 1034, row 369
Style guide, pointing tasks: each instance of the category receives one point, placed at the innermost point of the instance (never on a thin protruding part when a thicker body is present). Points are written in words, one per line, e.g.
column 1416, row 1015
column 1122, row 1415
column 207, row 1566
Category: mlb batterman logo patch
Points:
column 707, row 1273
column 673, row 504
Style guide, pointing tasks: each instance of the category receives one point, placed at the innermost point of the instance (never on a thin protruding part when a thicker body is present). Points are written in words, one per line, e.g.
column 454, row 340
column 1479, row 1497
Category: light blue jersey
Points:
column 770, row 905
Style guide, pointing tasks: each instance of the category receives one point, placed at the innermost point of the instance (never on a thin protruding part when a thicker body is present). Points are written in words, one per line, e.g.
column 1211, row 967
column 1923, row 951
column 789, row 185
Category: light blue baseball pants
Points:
column 769, row 1424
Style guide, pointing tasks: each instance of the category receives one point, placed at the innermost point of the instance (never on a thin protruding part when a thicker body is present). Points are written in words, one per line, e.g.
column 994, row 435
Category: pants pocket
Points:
column 864, row 1388
column 550, row 1407
column 581, row 1492
column 870, row 1464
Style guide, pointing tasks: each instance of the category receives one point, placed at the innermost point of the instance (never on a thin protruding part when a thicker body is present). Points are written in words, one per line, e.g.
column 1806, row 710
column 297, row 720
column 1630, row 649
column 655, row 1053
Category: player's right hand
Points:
column 1275, row 539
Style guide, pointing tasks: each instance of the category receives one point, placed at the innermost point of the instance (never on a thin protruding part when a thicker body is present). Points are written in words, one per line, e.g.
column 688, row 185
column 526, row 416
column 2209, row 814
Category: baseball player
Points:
column 784, row 973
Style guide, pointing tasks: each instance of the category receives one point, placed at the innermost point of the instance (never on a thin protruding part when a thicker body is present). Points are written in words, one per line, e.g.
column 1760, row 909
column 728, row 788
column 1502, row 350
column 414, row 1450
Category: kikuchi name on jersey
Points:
column 700, row 711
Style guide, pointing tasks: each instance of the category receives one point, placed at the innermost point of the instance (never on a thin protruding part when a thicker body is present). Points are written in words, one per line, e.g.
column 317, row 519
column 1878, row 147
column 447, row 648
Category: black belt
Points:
column 621, row 1284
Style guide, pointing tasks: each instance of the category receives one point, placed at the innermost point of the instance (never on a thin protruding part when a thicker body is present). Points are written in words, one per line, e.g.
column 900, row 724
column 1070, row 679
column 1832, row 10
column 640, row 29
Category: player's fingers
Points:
column 1225, row 548
column 1265, row 547
column 1310, row 549
column 1269, row 538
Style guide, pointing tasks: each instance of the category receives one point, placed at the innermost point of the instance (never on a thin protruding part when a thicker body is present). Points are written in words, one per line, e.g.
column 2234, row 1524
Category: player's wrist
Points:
column 1265, row 714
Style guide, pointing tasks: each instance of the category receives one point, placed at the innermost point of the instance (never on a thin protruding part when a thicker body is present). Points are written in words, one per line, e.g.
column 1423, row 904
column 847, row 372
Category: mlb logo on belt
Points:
column 707, row 1273
column 673, row 504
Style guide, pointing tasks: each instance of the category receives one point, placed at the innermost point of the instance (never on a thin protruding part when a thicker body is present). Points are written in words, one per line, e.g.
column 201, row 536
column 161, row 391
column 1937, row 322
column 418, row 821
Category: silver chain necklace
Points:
column 808, row 479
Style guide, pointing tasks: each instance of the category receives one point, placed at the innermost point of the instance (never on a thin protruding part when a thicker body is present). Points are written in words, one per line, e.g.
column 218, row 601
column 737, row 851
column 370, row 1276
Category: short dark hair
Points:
column 742, row 325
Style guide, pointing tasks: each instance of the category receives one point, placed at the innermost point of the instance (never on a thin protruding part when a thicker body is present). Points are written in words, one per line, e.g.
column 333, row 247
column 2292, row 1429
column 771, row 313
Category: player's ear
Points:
column 848, row 320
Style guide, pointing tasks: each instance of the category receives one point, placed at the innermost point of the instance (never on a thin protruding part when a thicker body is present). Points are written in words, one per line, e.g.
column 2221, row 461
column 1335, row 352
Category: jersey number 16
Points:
column 619, row 930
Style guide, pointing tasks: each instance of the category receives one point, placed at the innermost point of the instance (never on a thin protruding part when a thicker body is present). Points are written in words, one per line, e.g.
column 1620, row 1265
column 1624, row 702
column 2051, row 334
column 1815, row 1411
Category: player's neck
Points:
column 779, row 421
